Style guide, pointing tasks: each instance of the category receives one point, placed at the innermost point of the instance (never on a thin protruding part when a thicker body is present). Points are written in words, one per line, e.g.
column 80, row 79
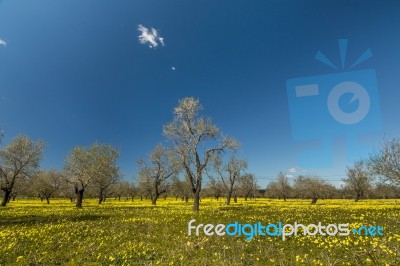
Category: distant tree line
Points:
column 194, row 152
column 376, row 177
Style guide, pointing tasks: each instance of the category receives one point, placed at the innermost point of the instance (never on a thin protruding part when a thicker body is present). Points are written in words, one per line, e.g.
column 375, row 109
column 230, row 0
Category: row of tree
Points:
column 95, row 166
column 194, row 142
column 313, row 187
column 377, row 176
column 194, row 148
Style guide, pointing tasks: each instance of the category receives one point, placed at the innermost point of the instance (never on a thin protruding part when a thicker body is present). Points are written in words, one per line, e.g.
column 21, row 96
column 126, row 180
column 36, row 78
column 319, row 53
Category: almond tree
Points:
column 215, row 187
column 229, row 174
column 195, row 140
column 94, row 166
column 46, row 183
column 181, row 188
column 358, row 179
column 18, row 161
column 247, row 186
column 105, row 170
column 154, row 174
column 283, row 185
column 77, row 166
column 386, row 162
column 312, row 187
column 124, row 189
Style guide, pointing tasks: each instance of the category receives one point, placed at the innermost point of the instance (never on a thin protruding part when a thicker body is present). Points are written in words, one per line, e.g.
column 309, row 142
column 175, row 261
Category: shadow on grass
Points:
column 36, row 219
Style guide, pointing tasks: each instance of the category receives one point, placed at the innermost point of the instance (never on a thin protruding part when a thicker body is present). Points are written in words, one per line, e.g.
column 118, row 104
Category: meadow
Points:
column 137, row 233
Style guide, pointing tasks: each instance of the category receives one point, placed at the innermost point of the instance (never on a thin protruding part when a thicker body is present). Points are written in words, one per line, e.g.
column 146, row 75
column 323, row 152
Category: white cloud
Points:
column 150, row 36
column 289, row 176
column 3, row 42
column 292, row 170
column 173, row 68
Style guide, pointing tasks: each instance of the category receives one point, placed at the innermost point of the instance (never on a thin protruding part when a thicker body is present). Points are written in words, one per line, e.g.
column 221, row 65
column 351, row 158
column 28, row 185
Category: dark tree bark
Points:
column 153, row 200
column 7, row 193
column 196, row 204
column 100, row 198
column 228, row 198
column 314, row 200
column 79, row 197
column 359, row 195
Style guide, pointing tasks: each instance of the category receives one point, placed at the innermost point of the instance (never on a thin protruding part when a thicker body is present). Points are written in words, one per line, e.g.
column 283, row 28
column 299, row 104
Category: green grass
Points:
column 136, row 233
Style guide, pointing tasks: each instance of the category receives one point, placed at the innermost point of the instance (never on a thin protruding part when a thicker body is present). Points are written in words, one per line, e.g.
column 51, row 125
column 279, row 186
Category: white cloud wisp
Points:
column 150, row 36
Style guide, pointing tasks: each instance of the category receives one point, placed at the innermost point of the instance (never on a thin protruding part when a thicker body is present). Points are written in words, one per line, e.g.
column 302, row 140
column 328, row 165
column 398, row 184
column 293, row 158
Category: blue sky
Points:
column 74, row 72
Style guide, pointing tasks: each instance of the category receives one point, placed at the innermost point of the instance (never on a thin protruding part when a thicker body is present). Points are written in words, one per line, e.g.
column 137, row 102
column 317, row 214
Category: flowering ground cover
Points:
column 137, row 233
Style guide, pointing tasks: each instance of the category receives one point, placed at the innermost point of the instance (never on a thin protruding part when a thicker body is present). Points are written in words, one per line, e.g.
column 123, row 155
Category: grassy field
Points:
column 136, row 233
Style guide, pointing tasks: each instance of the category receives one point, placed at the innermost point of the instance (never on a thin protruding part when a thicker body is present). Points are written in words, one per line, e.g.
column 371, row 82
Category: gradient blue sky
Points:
column 73, row 72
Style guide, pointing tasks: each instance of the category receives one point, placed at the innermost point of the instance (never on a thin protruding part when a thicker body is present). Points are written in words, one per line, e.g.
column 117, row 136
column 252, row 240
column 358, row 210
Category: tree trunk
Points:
column 153, row 200
column 7, row 193
column 228, row 198
column 48, row 200
column 196, row 203
column 101, row 198
column 284, row 198
column 79, row 197
column 314, row 200
column 187, row 198
column 357, row 197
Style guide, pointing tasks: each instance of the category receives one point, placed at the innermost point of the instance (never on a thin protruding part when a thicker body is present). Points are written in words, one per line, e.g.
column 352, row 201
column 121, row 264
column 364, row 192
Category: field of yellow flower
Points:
column 136, row 233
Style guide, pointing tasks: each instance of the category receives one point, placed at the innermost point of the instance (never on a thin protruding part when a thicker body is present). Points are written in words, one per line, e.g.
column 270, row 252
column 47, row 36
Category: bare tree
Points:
column 181, row 188
column 216, row 188
column 358, row 179
column 196, row 139
column 18, row 161
column 153, row 176
column 247, row 186
column 78, row 164
column 89, row 166
column 123, row 189
column 105, row 170
column 386, row 191
column 272, row 190
column 66, row 189
column 229, row 174
column 386, row 162
column 46, row 183
column 311, row 187
column 283, row 186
